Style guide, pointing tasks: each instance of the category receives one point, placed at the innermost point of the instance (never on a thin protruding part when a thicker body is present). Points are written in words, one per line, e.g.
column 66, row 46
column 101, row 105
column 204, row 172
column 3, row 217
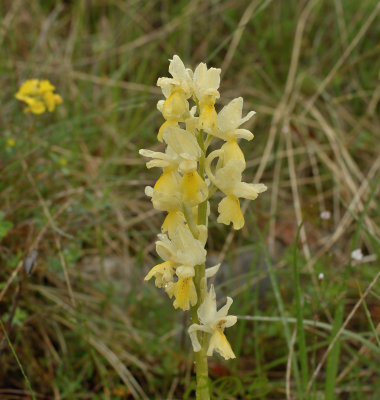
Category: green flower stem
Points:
column 208, row 141
column 202, row 208
column 201, row 367
column 200, row 357
column 190, row 220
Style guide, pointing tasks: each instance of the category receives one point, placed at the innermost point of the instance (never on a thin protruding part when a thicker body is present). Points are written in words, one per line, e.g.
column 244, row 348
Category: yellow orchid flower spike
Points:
column 189, row 178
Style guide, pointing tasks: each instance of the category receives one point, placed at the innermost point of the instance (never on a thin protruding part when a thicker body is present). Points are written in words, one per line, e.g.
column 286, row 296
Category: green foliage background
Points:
column 83, row 324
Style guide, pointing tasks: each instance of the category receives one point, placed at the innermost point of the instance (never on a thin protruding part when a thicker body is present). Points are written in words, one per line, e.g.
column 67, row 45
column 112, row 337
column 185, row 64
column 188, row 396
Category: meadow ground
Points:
column 83, row 325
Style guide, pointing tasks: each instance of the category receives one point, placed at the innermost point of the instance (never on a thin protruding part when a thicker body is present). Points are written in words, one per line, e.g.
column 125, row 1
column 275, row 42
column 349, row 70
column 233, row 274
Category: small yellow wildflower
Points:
column 62, row 161
column 11, row 142
column 39, row 96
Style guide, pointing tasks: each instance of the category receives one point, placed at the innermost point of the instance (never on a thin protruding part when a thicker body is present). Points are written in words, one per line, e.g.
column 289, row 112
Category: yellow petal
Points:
column 208, row 118
column 45, row 86
column 58, row 99
column 184, row 292
column 232, row 151
column 162, row 272
column 176, row 107
column 36, row 107
column 10, row 142
column 166, row 192
column 194, row 189
column 220, row 344
column 49, row 101
column 28, row 87
column 167, row 182
column 172, row 220
column 229, row 211
column 165, row 125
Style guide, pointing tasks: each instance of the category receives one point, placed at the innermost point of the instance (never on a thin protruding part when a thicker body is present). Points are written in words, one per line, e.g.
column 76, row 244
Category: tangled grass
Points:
column 72, row 187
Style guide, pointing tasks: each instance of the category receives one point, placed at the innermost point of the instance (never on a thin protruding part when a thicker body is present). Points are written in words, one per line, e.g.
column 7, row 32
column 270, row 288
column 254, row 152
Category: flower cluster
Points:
column 190, row 175
column 38, row 95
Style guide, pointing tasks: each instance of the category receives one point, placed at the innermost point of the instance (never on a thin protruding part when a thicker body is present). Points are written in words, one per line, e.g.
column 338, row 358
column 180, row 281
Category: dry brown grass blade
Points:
column 362, row 352
column 48, row 23
column 279, row 114
column 317, row 179
column 11, row 278
column 348, row 217
column 296, row 198
column 93, row 338
column 136, row 390
column 347, row 168
column 8, row 19
column 247, row 15
column 341, row 22
column 104, row 81
column 288, row 374
column 344, row 56
column 274, row 194
column 135, row 44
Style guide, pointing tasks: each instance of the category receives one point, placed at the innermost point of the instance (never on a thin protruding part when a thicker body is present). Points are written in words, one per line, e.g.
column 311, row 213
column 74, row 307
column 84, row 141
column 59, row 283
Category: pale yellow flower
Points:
column 39, row 96
column 230, row 211
column 231, row 151
column 166, row 193
column 176, row 107
column 163, row 273
column 172, row 221
column 164, row 126
column 176, row 90
column 206, row 84
column 168, row 160
column 181, row 254
column 213, row 322
column 229, row 120
column 185, row 145
column 184, row 291
column 228, row 179
column 194, row 189
column 181, row 81
column 182, row 152
column 183, row 248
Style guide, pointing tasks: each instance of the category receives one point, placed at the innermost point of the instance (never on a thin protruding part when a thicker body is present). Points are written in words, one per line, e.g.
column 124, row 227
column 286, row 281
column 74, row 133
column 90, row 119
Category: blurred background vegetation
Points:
column 82, row 324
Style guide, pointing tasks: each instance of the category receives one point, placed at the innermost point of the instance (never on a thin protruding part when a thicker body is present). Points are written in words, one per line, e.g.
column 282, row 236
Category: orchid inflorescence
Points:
column 190, row 175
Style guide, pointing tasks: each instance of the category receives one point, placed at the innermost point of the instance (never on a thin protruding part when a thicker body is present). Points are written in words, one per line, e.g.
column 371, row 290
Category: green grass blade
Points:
column 333, row 358
column 281, row 308
column 299, row 312
column 18, row 361
column 368, row 315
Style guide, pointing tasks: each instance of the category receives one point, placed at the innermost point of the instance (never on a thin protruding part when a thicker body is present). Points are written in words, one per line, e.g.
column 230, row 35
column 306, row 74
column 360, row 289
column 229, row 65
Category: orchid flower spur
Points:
column 189, row 178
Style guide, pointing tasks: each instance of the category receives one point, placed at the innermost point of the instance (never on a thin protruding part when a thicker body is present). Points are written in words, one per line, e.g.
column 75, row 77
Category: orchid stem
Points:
column 200, row 357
